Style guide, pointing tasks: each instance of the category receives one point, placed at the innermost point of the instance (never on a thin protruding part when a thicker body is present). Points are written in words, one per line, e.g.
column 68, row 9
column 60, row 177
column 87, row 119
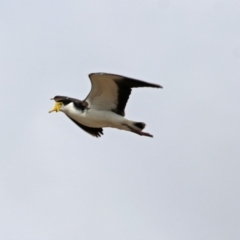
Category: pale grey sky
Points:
column 59, row 183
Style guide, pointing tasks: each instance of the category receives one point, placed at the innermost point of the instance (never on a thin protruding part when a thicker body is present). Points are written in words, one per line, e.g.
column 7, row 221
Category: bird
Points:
column 104, row 106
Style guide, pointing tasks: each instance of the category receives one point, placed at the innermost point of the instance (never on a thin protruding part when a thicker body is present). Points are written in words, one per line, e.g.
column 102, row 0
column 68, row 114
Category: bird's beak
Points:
column 56, row 107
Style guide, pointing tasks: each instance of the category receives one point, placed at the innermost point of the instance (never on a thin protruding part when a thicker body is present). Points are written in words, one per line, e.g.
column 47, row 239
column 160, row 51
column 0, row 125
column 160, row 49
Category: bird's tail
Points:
column 136, row 127
column 139, row 125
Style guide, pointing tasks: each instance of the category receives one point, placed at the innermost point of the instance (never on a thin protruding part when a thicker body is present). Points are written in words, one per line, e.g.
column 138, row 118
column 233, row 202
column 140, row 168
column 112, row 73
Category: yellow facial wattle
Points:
column 56, row 107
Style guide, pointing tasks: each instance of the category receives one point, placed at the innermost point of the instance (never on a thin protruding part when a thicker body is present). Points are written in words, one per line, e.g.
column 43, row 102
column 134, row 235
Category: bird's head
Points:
column 60, row 102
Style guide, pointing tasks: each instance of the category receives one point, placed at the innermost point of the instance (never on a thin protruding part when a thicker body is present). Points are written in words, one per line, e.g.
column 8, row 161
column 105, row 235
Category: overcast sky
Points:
column 59, row 183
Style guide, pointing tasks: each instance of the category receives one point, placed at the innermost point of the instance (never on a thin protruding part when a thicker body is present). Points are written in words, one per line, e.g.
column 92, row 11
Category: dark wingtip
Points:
column 99, row 134
column 155, row 85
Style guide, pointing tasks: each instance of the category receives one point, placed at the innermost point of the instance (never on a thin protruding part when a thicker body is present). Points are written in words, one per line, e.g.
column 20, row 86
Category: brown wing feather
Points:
column 111, row 91
column 96, row 132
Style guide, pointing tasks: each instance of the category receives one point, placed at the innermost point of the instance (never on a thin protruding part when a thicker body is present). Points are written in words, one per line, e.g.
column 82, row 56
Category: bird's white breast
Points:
column 93, row 118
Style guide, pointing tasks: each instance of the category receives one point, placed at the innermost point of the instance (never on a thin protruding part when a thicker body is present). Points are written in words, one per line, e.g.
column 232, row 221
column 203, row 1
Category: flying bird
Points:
column 104, row 106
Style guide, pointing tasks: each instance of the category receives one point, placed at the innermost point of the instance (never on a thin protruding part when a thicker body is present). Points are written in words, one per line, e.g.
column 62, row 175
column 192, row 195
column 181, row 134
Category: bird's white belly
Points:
column 95, row 118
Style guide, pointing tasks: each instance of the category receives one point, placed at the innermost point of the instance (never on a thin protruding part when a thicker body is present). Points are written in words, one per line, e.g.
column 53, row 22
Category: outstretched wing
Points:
column 96, row 132
column 111, row 92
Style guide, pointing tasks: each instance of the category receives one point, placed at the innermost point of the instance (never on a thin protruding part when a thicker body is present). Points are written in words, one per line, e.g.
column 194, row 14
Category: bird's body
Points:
column 104, row 106
column 94, row 118
column 97, row 119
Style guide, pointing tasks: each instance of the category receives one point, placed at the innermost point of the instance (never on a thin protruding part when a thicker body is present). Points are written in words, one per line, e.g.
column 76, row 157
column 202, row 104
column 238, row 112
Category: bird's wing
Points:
column 111, row 92
column 96, row 132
